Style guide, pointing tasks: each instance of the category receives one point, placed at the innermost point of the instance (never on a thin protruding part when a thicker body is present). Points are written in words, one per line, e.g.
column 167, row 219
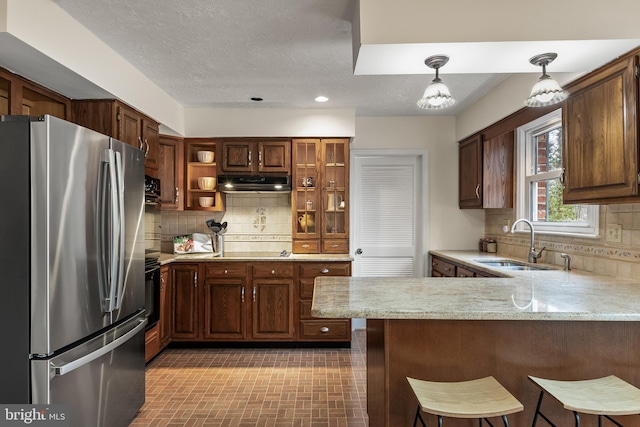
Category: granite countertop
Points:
column 250, row 256
column 552, row 294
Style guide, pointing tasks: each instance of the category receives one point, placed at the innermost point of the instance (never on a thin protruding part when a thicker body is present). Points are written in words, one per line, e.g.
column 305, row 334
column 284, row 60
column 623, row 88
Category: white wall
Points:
column 208, row 122
column 414, row 21
column 449, row 227
column 505, row 99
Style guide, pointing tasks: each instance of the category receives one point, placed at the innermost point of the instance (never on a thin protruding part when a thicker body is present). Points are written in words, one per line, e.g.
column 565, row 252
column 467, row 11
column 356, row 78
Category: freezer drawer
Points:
column 100, row 381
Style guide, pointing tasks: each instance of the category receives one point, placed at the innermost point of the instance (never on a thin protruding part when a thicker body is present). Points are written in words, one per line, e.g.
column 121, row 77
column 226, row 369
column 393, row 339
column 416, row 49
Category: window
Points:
column 539, row 192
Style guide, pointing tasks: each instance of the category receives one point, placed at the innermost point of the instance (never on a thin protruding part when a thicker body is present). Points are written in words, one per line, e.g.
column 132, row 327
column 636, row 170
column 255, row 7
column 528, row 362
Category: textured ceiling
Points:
column 221, row 53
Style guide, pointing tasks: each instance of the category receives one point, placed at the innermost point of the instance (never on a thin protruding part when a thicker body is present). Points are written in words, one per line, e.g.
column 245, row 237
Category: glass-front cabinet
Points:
column 335, row 196
column 306, row 195
column 320, row 195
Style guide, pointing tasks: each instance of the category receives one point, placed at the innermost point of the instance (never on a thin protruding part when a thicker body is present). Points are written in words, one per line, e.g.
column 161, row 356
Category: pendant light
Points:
column 436, row 95
column 546, row 91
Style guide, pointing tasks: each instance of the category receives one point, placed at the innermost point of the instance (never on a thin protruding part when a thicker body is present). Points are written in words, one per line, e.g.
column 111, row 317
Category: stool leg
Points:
column 439, row 421
column 599, row 420
column 575, row 414
column 535, row 417
column 505, row 421
column 415, row 421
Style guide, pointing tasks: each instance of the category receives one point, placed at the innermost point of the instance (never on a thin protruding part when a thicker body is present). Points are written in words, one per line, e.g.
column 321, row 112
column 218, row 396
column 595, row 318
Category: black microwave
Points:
column 151, row 190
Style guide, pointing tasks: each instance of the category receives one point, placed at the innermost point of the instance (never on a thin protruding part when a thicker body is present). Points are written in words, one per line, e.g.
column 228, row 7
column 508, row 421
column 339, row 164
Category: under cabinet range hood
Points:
column 254, row 183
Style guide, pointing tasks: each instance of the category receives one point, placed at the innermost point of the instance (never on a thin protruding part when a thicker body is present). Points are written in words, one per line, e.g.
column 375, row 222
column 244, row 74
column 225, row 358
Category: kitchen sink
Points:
column 509, row 264
column 501, row 263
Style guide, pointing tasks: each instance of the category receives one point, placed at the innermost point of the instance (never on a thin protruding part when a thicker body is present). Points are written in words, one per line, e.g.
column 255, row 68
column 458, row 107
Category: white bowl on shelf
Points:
column 205, row 202
column 207, row 182
column 206, row 156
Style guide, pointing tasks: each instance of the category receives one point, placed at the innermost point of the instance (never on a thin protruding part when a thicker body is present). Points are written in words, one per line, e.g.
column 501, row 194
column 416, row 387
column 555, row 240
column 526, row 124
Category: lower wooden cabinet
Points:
column 184, row 301
column 158, row 337
column 311, row 328
column 164, row 323
column 223, row 301
column 445, row 268
column 151, row 343
column 272, row 301
column 239, row 301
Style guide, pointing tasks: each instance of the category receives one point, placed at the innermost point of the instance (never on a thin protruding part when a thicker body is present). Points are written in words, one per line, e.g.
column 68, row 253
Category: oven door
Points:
column 152, row 292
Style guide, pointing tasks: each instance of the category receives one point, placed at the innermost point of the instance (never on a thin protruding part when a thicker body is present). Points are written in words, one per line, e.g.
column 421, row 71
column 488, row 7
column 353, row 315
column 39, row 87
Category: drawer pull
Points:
column 324, row 329
column 226, row 271
column 273, row 272
column 447, row 269
column 334, row 246
column 306, row 245
column 324, row 271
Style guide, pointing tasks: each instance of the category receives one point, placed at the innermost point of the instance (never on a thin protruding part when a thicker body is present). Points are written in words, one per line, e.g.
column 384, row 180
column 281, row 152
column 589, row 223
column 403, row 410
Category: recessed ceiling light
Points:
column 256, row 99
column 322, row 99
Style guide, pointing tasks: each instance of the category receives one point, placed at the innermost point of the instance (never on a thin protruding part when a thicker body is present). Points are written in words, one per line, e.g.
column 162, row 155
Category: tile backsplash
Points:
column 588, row 254
column 257, row 222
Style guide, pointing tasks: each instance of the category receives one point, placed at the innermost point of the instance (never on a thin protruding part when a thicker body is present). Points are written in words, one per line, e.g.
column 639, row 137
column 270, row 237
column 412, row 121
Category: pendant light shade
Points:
column 436, row 95
column 546, row 91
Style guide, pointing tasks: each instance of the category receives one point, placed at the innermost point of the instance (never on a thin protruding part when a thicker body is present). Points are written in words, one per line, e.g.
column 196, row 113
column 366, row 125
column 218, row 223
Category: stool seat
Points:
column 480, row 398
column 602, row 396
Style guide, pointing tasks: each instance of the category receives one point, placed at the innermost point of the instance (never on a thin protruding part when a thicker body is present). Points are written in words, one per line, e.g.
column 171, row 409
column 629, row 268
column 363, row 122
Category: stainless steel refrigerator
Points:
column 72, row 297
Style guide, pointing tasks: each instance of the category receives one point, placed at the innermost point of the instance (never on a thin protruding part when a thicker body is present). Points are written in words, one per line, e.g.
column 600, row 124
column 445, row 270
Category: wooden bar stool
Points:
column 604, row 397
column 481, row 398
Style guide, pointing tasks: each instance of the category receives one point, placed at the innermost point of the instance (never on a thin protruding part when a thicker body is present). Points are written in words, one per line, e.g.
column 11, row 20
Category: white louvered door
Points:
column 387, row 215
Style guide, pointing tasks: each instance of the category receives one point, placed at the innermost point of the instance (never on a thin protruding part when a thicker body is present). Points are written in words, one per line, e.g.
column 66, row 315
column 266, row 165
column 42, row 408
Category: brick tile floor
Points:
column 204, row 387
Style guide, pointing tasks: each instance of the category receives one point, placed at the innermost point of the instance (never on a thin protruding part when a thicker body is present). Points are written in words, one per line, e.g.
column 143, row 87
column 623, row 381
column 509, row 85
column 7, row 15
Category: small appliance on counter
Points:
column 192, row 244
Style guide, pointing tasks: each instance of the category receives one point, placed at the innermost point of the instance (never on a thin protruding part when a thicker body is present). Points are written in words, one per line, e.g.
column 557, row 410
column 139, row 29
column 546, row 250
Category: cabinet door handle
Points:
column 324, row 329
column 249, row 158
column 324, row 270
column 242, row 294
column 254, row 294
column 260, row 158
column 478, row 191
column 146, row 148
column 177, row 194
column 195, row 279
column 140, row 143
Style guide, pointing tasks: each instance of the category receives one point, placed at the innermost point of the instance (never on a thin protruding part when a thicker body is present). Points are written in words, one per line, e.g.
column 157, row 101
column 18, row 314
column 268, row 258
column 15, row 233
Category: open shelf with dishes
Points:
column 201, row 176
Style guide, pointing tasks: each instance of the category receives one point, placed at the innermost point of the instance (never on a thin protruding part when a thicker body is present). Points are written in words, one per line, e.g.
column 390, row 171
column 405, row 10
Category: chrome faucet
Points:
column 533, row 255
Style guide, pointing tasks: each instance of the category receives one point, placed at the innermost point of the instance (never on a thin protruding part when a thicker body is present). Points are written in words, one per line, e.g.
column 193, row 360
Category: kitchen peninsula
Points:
column 548, row 323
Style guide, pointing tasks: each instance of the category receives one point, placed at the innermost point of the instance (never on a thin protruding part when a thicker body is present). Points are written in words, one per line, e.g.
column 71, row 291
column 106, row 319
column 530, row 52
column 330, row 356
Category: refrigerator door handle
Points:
column 84, row 360
column 108, row 223
column 120, row 231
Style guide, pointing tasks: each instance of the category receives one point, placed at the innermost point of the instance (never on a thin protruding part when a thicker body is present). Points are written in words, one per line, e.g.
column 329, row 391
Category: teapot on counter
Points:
column 307, row 222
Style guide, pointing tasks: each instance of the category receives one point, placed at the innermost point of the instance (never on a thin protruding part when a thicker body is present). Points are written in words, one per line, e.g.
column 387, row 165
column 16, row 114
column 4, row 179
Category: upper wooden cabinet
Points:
column 171, row 172
column 21, row 96
column 251, row 156
column 486, row 172
column 320, row 196
column 497, row 171
column 470, row 188
column 601, row 136
column 118, row 120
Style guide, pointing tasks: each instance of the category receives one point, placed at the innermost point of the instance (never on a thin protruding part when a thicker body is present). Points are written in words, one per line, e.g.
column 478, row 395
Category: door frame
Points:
column 422, row 227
